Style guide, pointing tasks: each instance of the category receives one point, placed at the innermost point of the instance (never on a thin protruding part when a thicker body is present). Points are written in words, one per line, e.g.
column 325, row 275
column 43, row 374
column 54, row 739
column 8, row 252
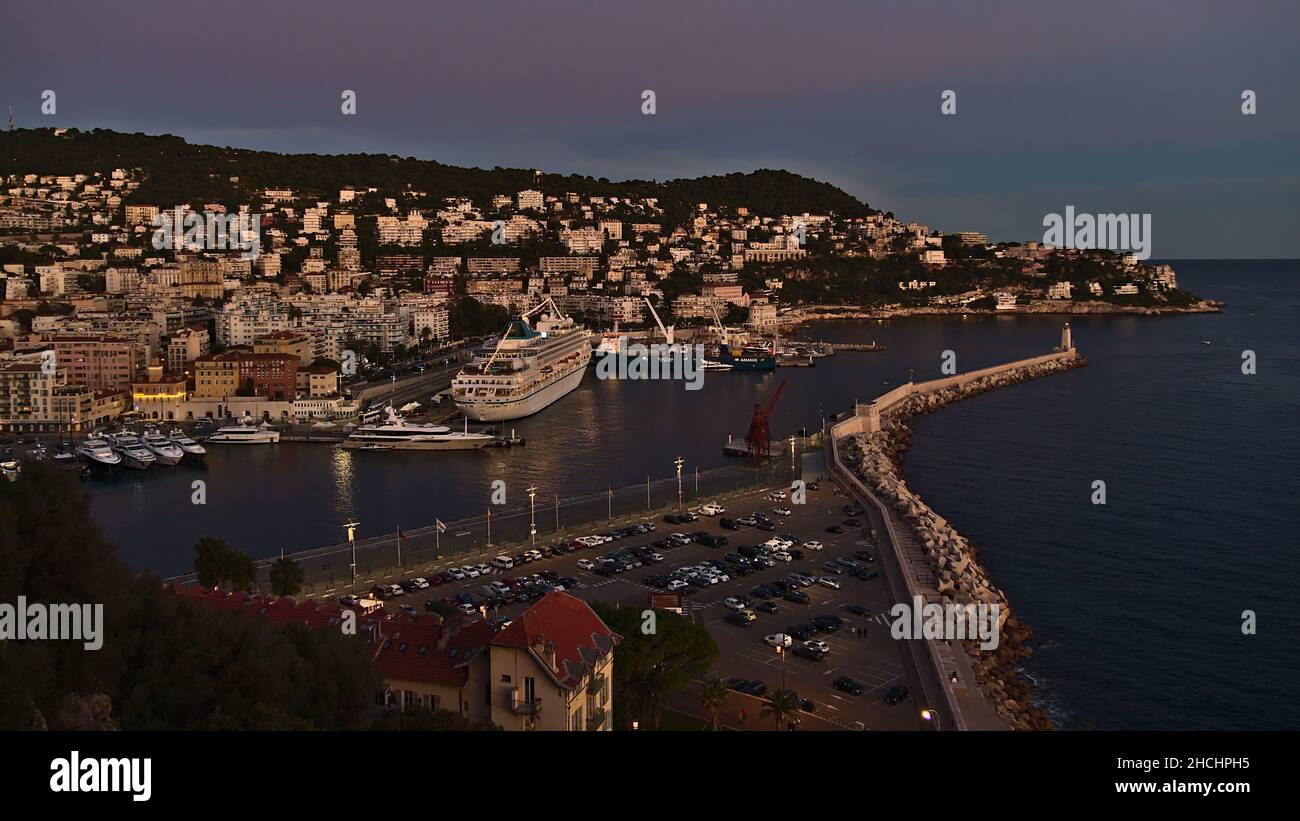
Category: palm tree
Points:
column 286, row 577
column 780, row 705
column 713, row 696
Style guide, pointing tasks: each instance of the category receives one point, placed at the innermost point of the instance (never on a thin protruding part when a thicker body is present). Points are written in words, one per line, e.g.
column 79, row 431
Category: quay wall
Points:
column 866, row 448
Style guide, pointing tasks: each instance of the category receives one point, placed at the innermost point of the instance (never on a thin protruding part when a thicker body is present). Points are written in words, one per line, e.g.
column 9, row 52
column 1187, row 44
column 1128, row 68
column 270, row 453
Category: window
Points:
column 577, row 720
column 530, row 689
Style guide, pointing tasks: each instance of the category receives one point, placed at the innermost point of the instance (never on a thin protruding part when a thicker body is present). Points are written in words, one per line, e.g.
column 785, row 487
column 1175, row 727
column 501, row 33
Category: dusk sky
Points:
column 1108, row 106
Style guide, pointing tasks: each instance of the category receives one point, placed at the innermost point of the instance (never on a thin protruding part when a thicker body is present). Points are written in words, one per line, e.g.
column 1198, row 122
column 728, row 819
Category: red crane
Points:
column 759, row 439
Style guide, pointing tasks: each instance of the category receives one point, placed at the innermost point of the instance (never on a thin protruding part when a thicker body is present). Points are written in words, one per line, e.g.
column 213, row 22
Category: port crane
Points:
column 758, row 441
column 667, row 332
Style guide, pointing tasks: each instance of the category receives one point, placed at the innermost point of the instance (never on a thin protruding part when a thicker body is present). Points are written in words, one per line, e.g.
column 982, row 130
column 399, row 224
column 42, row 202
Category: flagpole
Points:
column 399, row 547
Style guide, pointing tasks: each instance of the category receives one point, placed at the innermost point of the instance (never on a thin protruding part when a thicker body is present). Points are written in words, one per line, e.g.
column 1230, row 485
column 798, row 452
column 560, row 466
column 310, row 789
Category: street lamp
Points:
column 352, row 541
column 931, row 715
column 532, row 517
column 679, row 461
column 792, row 470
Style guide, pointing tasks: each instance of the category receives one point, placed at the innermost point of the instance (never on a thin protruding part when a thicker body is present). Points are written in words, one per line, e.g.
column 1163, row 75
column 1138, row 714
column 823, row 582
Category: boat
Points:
column 65, row 456
column 245, row 432
column 385, row 429
column 746, row 358
column 190, row 448
column 10, row 470
column 133, row 452
column 163, row 449
column 529, row 368
column 713, row 365
column 98, row 454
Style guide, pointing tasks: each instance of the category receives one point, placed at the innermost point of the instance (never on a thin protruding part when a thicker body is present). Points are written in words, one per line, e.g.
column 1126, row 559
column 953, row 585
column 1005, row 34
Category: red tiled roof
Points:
column 570, row 626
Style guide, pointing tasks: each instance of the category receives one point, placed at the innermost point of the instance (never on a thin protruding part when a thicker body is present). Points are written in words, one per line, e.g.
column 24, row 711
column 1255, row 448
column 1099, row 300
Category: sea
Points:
column 1138, row 513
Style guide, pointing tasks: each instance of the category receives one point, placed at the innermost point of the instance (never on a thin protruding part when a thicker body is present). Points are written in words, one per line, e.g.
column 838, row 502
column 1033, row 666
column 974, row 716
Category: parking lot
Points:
column 860, row 648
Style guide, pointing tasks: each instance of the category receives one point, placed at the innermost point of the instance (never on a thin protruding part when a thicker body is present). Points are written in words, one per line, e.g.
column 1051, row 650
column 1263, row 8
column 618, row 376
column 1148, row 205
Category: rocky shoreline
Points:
column 961, row 579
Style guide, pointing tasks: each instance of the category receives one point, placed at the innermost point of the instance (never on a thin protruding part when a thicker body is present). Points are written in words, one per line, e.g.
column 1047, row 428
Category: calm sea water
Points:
column 1136, row 604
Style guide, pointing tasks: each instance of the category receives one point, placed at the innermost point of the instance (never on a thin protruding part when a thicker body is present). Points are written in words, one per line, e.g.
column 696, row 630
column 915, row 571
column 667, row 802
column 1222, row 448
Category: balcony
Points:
column 525, row 707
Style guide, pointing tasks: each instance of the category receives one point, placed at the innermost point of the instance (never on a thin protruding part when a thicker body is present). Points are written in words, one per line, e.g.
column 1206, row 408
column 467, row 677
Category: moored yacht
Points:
column 245, row 432
column 133, row 452
column 190, row 448
column 392, row 432
column 163, row 449
column 98, row 454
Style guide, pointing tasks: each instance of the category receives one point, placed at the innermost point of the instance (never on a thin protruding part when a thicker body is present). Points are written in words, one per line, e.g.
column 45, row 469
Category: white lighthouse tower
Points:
column 1067, row 339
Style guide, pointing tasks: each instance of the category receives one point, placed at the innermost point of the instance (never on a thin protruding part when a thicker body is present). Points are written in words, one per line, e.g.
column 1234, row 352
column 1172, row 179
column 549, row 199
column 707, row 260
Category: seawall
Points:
column 938, row 563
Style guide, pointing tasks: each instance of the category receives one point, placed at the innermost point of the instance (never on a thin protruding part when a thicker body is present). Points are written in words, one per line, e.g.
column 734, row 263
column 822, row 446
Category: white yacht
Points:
column 10, row 470
column 163, row 449
column 133, row 452
column 245, row 432
column 392, row 432
column 530, row 368
column 97, row 452
column 188, row 446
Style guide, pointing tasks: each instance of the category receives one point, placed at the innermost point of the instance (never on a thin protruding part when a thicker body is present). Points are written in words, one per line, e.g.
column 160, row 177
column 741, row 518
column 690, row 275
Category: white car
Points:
column 813, row 545
column 420, row 583
column 818, row 645
column 470, row 571
column 781, row 511
column 734, row 604
column 586, row 564
column 827, row 581
column 533, row 555
column 777, row 495
column 712, row 510
column 778, row 640
column 456, row 573
column 483, row 569
column 782, row 556
column 677, row 584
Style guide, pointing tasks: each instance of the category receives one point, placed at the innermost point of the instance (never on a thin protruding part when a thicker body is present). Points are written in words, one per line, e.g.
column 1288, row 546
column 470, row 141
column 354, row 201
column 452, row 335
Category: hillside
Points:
column 183, row 172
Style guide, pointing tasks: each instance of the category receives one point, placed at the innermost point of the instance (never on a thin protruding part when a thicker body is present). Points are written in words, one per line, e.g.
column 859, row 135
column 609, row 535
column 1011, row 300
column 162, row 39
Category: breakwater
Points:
column 939, row 564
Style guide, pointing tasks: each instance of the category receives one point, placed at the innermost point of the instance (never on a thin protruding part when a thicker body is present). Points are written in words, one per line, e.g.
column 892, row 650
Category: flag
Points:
column 401, row 535
column 442, row 528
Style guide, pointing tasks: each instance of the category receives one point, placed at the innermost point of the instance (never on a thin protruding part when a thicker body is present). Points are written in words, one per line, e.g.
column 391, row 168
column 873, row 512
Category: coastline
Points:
column 815, row 313
column 955, row 572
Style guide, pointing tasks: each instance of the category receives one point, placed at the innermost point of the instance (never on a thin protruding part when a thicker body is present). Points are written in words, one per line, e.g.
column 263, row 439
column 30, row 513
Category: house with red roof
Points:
column 550, row 669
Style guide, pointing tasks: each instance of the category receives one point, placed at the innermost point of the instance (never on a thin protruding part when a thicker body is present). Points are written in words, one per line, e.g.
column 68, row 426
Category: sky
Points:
column 1112, row 107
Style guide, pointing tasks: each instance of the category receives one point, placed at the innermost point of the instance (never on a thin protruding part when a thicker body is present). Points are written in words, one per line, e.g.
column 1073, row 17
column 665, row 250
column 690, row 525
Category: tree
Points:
column 780, row 705
column 217, row 564
column 286, row 577
column 432, row 720
column 646, row 667
column 713, row 696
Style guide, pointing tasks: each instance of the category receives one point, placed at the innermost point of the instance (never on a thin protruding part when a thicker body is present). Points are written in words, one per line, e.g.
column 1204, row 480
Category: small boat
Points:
column 65, row 456
column 1206, row 342
column 10, row 470
column 133, row 452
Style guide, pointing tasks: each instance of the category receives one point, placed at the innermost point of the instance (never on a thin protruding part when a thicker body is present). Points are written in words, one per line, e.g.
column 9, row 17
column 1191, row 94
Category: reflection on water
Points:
column 344, row 502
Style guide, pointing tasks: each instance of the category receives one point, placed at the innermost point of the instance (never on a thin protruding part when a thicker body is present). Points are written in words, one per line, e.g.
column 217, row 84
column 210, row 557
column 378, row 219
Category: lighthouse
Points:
column 1067, row 339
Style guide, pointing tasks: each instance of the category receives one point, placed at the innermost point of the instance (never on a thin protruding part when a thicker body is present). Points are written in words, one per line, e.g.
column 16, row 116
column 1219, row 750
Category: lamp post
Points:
column 931, row 715
column 532, row 517
column 792, row 469
column 352, row 542
column 679, row 461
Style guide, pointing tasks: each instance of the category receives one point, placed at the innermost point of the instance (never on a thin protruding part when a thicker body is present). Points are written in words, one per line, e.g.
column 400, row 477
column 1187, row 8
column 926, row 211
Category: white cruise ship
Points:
column 244, row 432
column 394, row 433
column 530, row 368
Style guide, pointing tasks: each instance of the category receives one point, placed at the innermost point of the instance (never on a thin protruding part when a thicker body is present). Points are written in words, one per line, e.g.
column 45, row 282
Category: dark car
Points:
column 868, row 575
column 795, row 553
column 858, row 610
column 672, row 519
column 768, row 526
column 737, row 619
column 728, row 524
column 791, row 538
column 834, row 529
column 803, row 651
column 748, row 551
column 828, row 624
column 852, row 523
column 767, row 607
column 762, row 592
column 754, row 688
column 864, row 555
column 799, row 634
column 845, row 684
column 896, row 695
column 568, row 581
column 796, row 596
column 737, row 683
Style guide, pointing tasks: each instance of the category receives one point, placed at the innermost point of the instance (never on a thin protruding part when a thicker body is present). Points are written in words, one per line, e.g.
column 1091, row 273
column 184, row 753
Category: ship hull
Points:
column 487, row 410
column 446, row 444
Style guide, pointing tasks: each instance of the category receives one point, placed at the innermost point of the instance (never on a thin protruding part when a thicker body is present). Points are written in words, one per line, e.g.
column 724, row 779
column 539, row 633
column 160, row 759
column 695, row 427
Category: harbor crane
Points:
column 667, row 332
column 758, row 441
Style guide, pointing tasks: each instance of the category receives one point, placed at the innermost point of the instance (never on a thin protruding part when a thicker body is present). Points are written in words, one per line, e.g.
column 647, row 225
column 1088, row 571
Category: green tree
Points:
column 713, row 696
column 647, row 667
column 286, row 577
column 780, row 705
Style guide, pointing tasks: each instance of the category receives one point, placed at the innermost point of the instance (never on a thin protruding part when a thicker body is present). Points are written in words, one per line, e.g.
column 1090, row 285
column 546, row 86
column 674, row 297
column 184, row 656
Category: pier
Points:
column 921, row 555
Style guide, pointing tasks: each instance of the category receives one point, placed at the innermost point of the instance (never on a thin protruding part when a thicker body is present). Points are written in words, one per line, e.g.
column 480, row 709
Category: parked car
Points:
column 845, row 684
column 896, row 695
column 728, row 524
column 818, row 645
column 858, row 610
column 797, row 597
column 812, row 545
column 827, row 581
column 803, row 651
column 782, row 511
column 712, row 509
column 739, row 618
column 834, row 529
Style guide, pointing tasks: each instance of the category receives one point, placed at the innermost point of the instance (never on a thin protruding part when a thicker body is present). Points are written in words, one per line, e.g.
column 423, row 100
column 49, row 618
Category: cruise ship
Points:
column 530, row 368
column 392, row 432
